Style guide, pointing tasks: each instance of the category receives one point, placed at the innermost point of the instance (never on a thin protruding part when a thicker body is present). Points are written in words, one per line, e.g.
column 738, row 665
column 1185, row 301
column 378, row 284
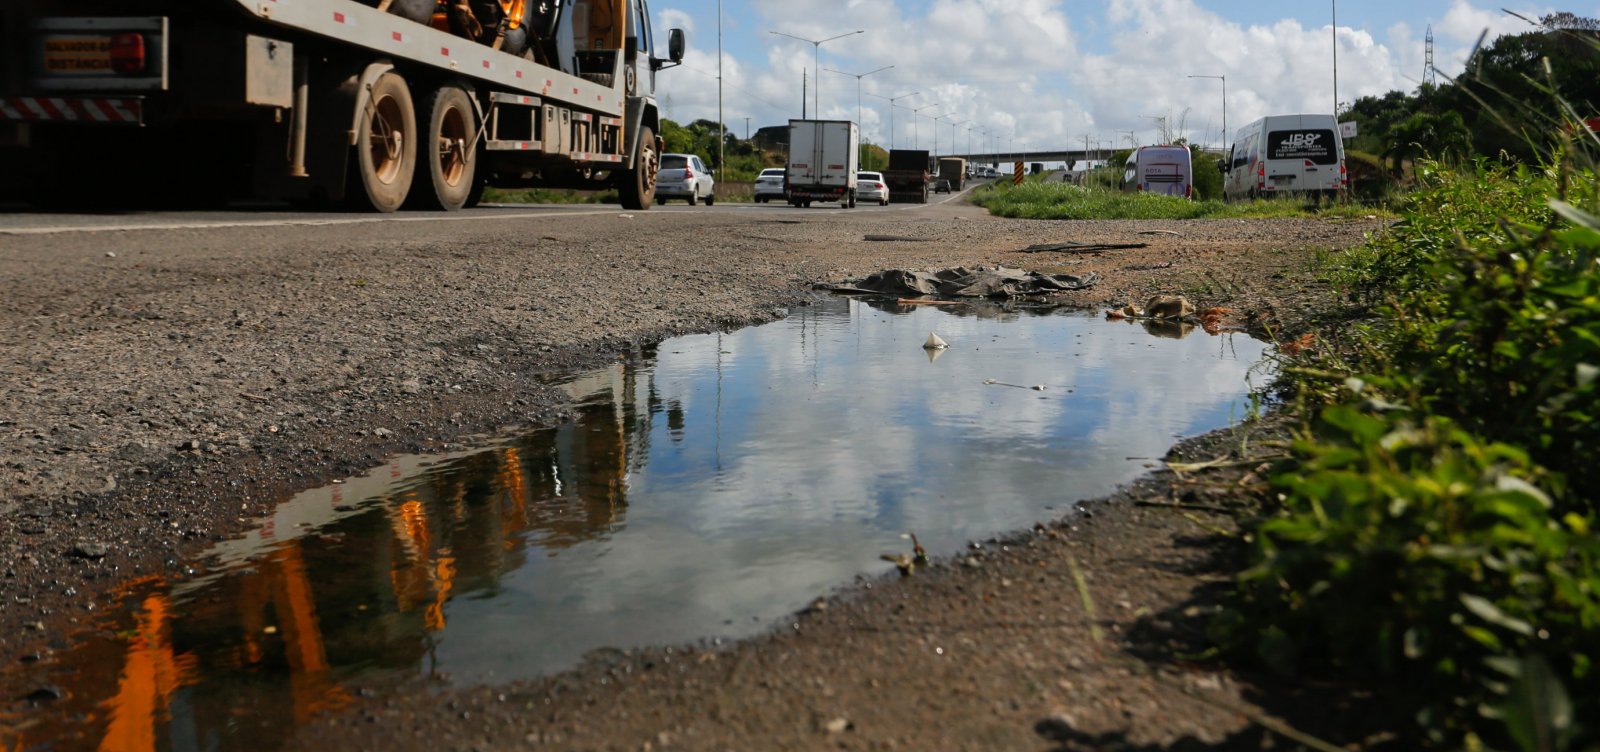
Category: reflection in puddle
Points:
column 705, row 492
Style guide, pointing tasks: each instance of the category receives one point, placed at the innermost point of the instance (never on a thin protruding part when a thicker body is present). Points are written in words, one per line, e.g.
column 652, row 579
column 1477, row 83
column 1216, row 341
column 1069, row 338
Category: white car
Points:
column 769, row 185
column 870, row 187
column 685, row 176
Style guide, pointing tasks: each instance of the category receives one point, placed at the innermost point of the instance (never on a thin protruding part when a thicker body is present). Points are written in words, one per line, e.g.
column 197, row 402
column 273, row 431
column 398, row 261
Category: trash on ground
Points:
column 961, row 282
column 1148, row 267
column 1035, row 387
column 1173, row 233
column 895, row 239
column 1075, row 247
column 934, row 342
column 1157, row 307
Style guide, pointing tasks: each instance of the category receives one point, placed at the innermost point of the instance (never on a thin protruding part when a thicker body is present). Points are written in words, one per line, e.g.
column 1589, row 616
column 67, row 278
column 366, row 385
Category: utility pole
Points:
column 722, row 137
column 747, row 129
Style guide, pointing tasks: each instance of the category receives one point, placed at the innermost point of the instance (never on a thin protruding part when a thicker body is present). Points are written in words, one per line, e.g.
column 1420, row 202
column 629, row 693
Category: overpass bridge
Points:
column 1045, row 155
column 1034, row 155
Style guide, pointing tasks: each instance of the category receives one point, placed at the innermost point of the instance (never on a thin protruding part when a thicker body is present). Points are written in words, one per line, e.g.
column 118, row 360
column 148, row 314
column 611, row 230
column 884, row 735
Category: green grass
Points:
column 1038, row 200
column 548, row 196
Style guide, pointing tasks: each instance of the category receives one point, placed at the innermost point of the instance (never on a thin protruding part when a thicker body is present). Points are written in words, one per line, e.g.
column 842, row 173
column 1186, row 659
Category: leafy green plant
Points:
column 1406, row 548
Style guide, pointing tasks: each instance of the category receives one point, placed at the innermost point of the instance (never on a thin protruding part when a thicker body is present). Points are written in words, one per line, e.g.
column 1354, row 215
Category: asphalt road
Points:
column 22, row 220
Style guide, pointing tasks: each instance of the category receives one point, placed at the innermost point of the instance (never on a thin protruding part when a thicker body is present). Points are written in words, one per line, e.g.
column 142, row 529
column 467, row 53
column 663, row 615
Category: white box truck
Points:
column 1286, row 154
column 1166, row 170
column 823, row 157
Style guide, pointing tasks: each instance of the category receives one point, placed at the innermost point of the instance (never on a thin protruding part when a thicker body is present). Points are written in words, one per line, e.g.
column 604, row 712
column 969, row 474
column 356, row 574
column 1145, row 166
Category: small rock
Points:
column 90, row 550
column 111, row 254
column 45, row 693
column 838, row 726
column 382, row 432
column 971, row 562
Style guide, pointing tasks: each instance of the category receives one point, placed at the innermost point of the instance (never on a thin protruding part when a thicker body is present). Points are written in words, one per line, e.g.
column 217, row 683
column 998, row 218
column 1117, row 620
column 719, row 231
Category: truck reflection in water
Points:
column 364, row 580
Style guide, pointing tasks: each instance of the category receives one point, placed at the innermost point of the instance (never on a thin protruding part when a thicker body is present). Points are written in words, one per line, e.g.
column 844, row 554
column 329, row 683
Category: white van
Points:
column 1286, row 154
column 1164, row 170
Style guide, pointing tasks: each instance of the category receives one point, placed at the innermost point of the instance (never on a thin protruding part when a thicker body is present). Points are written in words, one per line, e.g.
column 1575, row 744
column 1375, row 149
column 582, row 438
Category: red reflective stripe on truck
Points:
column 70, row 110
column 338, row 17
column 51, row 112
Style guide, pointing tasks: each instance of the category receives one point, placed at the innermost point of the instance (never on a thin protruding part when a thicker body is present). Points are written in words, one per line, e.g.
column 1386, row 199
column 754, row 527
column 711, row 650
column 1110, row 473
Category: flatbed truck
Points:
column 367, row 104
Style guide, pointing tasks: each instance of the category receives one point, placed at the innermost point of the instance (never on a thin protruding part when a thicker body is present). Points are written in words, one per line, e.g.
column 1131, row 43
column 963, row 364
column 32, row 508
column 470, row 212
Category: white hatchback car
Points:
column 769, row 185
column 870, row 187
column 685, row 176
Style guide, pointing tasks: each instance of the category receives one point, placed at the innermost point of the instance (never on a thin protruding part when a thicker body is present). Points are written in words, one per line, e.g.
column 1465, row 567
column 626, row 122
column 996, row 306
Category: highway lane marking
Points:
column 227, row 224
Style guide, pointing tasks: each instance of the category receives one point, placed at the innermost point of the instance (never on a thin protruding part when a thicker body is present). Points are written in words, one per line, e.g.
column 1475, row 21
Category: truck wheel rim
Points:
column 452, row 146
column 385, row 139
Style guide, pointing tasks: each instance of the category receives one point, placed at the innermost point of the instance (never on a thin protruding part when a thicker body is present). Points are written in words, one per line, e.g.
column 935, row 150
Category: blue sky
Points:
column 1053, row 72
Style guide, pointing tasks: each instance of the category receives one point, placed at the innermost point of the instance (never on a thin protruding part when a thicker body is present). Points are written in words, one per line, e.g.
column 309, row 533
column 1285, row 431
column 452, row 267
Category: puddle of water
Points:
column 705, row 492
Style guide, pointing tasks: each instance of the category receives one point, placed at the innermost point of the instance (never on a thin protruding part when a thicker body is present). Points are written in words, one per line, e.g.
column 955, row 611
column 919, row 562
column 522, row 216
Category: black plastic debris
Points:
column 961, row 282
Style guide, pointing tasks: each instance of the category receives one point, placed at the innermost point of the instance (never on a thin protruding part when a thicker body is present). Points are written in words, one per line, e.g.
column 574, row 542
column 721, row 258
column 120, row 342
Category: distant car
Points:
column 941, row 186
column 685, row 176
column 870, row 187
column 769, row 185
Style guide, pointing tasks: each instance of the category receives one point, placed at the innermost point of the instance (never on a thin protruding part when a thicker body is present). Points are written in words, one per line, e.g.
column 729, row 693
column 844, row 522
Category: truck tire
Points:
column 491, row 14
column 852, row 199
column 447, row 151
column 479, row 185
column 385, row 156
column 637, row 187
column 420, row 11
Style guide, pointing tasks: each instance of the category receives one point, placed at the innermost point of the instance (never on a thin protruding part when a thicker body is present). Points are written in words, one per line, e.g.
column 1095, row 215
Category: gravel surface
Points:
column 166, row 387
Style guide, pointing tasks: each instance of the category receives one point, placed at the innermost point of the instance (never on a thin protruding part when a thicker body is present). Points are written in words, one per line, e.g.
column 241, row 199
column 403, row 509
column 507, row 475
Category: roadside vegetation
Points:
column 1435, row 532
column 1047, row 200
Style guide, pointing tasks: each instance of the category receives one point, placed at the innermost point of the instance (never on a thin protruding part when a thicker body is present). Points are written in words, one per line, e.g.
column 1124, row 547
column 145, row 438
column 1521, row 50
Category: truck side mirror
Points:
column 1223, row 167
column 675, row 45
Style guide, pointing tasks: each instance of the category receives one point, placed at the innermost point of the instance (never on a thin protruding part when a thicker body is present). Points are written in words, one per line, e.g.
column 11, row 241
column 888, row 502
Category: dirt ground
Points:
column 166, row 388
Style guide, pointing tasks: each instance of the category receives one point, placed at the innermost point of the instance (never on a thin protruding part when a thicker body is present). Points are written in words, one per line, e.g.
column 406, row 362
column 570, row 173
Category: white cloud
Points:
column 1050, row 72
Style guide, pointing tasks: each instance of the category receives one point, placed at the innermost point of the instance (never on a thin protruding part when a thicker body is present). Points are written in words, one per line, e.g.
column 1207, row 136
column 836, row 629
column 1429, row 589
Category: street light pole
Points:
column 862, row 146
column 953, row 125
column 1335, row 5
column 816, row 61
column 936, row 133
column 892, row 100
column 1224, row 80
column 916, row 141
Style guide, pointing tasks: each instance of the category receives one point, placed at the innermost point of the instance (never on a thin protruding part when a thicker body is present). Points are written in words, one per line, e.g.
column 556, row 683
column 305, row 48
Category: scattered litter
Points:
column 895, row 239
column 961, row 282
column 1157, row 307
column 1035, row 387
column 1173, row 233
column 1075, row 247
column 934, row 342
column 1147, row 267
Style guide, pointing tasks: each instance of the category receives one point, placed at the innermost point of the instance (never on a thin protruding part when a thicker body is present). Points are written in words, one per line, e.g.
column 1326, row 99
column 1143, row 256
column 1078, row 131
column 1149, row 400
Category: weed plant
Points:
column 548, row 196
column 1436, row 529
